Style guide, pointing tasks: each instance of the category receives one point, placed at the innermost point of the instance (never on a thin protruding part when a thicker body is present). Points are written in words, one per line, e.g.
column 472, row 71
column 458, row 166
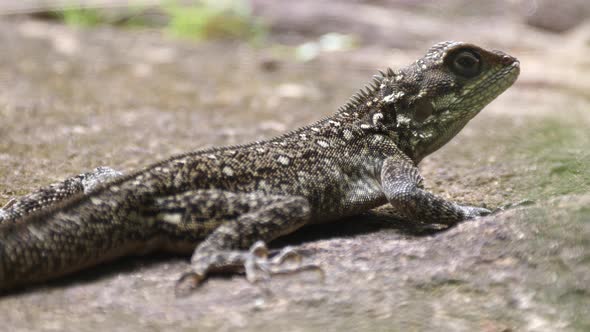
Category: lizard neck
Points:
column 418, row 144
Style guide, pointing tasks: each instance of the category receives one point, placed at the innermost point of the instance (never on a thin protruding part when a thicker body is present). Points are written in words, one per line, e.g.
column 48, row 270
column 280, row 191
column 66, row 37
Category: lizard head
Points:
column 430, row 101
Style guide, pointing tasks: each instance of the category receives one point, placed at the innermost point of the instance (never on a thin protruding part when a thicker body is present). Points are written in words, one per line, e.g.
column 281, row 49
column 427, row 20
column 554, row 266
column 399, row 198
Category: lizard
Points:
column 224, row 204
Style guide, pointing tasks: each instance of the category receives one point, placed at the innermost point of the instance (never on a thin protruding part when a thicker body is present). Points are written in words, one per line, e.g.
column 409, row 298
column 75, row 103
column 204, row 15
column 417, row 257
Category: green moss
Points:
column 559, row 151
column 214, row 20
column 78, row 16
column 583, row 214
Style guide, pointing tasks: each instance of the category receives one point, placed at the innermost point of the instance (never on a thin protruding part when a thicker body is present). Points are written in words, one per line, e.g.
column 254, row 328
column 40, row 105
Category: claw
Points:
column 505, row 207
column 287, row 254
column 259, row 250
column 304, row 268
column 256, row 270
column 259, row 267
column 471, row 212
column 9, row 204
column 187, row 283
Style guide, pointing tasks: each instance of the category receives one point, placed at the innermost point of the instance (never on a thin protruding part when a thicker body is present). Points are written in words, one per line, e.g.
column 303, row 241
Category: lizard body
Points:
column 223, row 201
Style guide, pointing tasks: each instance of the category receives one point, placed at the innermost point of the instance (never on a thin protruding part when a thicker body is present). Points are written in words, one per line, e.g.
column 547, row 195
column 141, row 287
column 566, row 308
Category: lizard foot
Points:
column 256, row 263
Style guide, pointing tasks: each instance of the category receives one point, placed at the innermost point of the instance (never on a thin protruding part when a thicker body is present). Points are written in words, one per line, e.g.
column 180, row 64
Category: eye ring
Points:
column 466, row 63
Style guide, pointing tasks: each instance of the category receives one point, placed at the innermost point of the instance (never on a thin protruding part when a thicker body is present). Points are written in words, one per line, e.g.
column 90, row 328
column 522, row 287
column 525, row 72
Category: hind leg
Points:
column 239, row 225
column 20, row 207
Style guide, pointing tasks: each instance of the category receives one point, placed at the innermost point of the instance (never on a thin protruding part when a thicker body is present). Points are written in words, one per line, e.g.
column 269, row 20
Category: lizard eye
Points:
column 466, row 63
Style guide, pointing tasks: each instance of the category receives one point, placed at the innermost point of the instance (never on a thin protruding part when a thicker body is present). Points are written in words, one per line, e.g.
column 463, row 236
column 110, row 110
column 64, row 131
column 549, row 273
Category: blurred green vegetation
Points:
column 79, row 16
column 559, row 151
column 200, row 20
column 214, row 20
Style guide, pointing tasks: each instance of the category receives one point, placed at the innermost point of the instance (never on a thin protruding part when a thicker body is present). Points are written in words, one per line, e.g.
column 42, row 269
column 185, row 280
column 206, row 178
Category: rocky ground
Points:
column 73, row 99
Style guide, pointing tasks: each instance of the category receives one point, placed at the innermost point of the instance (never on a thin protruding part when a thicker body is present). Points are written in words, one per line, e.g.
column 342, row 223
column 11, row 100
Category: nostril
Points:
column 508, row 60
column 505, row 59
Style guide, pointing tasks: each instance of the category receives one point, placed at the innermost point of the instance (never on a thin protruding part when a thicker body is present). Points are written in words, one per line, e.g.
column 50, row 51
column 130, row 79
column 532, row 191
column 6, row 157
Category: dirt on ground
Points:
column 72, row 99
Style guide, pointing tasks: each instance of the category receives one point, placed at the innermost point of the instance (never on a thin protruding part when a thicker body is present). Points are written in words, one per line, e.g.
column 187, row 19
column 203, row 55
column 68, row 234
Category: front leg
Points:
column 402, row 185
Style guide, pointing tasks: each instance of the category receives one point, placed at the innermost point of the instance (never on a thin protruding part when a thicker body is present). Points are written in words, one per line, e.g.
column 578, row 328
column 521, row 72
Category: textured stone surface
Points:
column 555, row 16
column 71, row 100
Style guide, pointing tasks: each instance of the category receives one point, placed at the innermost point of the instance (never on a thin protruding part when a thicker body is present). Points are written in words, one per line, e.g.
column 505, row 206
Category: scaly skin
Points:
column 222, row 201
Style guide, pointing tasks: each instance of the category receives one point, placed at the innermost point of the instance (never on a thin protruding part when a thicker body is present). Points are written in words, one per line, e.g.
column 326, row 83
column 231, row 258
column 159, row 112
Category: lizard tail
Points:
column 42, row 247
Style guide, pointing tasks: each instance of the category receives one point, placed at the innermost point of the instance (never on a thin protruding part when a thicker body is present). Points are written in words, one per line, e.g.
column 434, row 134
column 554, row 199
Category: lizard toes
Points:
column 471, row 212
column 287, row 255
column 187, row 283
column 260, row 267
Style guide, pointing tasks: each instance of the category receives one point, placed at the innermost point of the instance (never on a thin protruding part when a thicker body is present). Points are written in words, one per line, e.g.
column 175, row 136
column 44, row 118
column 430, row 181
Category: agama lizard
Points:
column 219, row 202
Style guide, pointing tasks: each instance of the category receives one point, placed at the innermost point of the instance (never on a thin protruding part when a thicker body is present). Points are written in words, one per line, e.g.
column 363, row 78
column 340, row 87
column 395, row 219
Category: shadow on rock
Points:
column 370, row 222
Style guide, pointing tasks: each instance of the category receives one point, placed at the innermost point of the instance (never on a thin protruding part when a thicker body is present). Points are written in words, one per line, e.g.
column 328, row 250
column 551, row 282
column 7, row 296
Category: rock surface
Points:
column 71, row 100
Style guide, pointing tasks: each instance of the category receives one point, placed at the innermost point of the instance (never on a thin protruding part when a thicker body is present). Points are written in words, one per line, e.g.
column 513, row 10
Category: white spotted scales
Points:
column 218, row 203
